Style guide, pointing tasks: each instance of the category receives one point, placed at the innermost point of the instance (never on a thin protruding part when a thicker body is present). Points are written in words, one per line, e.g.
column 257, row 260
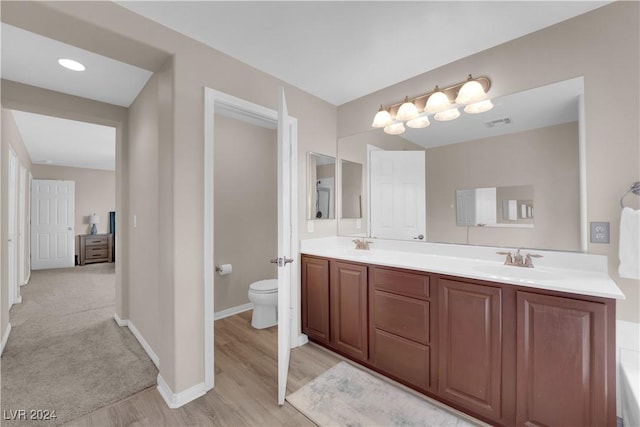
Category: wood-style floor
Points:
column 245, row 392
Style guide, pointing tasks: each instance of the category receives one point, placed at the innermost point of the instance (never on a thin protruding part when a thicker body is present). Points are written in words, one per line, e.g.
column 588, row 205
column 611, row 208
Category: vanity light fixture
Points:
column 70, row 64
column 469, row 94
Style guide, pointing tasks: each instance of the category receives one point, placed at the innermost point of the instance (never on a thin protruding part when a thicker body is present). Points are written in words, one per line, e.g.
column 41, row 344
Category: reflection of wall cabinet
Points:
column 506, row 354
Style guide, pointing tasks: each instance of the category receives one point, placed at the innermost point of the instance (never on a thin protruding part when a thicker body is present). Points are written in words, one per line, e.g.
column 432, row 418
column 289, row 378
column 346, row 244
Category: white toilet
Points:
column 264, row 296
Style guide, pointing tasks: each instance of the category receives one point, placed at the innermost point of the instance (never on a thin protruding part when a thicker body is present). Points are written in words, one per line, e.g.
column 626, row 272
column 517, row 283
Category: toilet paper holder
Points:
column 224, row 269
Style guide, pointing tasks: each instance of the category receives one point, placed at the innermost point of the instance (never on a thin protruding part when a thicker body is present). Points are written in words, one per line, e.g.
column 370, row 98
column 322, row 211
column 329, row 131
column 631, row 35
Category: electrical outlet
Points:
column 599, row 232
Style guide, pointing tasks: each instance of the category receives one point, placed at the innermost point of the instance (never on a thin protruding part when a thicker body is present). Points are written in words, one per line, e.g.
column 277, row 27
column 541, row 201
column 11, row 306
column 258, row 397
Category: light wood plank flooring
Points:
column 245, row 394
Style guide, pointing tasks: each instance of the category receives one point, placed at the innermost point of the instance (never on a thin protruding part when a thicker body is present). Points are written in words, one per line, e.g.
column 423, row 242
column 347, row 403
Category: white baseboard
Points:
column 302, row 339
column 176, row 400
column 145, row 345
column 26, row 281
column 5, row 337
column 119, row 321
column 19, row 299
column 232, row 311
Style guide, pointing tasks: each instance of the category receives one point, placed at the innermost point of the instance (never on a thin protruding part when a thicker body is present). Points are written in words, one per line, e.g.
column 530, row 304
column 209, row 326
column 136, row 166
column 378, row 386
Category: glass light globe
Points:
column 407, row 111
column 438, row 101
column 394, row 129
column 479, row 107
column 445, row 116
column 419, row 122
column 471, row 91
column 382, row 119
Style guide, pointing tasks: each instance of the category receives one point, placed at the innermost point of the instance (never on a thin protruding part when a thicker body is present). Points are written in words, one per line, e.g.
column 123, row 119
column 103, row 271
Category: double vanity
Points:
column 509, row 345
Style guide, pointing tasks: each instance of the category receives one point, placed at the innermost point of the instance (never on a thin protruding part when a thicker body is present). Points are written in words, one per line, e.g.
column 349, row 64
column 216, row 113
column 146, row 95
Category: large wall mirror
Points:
column 526, row 152
column 321, row 186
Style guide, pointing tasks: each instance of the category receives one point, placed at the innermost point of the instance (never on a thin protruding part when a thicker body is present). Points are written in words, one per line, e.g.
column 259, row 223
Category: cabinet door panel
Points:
column 560, row 361
column 404, row 359
column 349, row 309
column 470, row 339
column 315, row 298
column 406, row 317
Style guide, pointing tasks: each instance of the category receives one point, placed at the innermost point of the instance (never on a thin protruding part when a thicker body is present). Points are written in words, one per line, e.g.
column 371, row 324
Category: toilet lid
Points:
column 269, row 285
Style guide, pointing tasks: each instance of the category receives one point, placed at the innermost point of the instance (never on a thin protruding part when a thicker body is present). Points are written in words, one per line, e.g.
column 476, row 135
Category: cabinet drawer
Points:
column 97, row 241
column 404, row 359
column 96, row 253
column 401, row 282
column 406, row 317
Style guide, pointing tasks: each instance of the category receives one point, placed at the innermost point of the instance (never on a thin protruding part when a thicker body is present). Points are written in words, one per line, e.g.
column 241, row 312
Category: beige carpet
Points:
column 347, row 396
column 65, row 352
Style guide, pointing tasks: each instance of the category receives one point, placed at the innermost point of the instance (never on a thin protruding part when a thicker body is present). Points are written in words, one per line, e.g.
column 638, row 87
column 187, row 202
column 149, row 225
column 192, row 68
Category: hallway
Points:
column 65, row 352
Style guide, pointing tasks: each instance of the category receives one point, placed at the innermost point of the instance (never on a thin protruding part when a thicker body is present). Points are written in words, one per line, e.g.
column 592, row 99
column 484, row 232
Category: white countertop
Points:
column 577, row 273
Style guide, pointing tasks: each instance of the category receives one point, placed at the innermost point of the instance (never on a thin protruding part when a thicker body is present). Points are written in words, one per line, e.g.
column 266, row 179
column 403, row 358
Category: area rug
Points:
column 66, row 356
column 347, row 396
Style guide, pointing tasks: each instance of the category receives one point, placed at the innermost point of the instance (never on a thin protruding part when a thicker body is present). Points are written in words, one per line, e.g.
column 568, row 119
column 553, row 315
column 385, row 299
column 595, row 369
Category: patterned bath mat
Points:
column 347, row 396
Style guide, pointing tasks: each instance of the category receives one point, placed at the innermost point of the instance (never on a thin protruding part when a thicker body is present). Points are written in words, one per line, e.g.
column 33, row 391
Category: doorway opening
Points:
column 218, row 103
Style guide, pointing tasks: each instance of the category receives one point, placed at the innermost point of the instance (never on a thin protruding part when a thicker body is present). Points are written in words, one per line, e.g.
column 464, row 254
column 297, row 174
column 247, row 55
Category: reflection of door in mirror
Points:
column 351, row 187
column 397, row 180
column 321, row 172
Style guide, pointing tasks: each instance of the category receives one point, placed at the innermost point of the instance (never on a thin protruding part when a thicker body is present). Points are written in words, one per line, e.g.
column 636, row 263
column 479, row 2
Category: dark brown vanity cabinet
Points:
column 315, row 298
column 348, row 298
column 506, row 354
column 400, row 325
column 335, row 305
column 565, row 370
column 470, row 369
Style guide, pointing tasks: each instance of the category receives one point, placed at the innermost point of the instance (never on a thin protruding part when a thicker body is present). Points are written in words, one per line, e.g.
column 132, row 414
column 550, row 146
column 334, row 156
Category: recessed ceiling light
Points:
column 71, row 64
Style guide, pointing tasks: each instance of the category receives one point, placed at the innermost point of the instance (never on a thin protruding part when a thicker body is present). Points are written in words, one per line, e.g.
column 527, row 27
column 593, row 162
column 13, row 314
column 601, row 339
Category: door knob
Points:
column 420, row 237
column 275, row 261
column 288, row 260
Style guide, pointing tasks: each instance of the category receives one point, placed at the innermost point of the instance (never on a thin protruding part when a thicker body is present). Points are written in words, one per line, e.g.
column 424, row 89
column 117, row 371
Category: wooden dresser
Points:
column 95, row 248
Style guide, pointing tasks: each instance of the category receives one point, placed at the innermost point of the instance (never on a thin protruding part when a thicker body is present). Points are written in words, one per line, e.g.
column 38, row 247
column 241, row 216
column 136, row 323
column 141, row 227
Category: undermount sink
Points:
column 517, row 273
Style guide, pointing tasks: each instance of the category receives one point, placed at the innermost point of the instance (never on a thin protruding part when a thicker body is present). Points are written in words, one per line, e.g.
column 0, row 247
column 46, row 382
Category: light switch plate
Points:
column 599, row 232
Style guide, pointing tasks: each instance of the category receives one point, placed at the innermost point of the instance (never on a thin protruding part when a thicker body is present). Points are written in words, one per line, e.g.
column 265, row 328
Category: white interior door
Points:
column 12, row 269
column 52, row 212
column 397, row 180
column 22, row 209
column 284, row 246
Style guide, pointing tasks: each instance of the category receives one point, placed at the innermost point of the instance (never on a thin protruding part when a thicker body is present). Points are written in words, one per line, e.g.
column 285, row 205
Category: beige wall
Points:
column 192, row 66
column 604, row 47
column 245, row 208
column 95, row 193
column 144, row 203
column 546, row 158
column 10, row 138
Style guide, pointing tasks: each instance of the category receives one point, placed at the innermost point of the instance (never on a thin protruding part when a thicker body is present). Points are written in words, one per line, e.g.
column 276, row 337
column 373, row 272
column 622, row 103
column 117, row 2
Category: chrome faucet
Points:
column 518, row 260
column 362, row 244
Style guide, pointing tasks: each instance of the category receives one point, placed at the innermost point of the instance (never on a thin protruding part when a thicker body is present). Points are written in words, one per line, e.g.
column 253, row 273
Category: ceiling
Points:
column 62, row 142
column 343, row 50
column 338, row 51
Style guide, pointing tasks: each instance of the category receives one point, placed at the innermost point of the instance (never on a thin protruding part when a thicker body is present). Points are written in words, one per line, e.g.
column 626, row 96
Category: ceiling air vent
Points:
column 500, row 122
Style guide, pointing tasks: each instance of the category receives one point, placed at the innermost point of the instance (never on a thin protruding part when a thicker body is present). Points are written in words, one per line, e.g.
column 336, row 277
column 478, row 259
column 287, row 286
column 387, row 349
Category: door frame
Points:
column 253, row 113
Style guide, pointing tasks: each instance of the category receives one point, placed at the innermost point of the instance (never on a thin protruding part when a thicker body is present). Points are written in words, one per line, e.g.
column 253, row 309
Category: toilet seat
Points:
column 264, row 286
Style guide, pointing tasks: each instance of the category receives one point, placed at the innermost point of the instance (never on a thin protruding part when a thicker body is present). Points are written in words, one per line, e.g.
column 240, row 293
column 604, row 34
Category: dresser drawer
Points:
column 97, row 253
column 403, row 316
column 401, row 282
column 97, row 241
